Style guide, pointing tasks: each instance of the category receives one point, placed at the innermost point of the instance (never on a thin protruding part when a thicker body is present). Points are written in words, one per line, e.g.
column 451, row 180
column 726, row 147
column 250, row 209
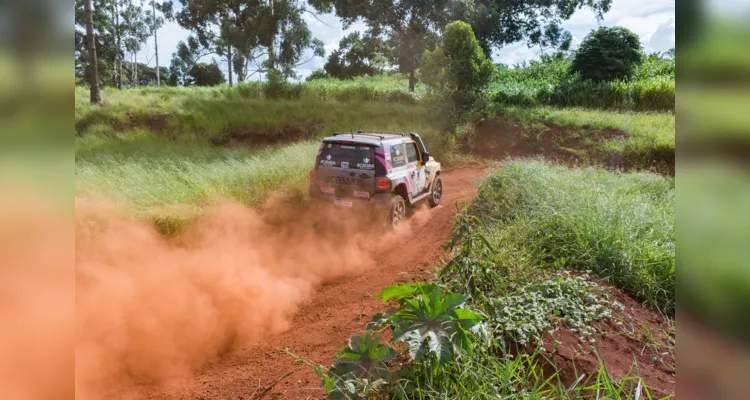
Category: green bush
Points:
column 607, row 54
column 458, row 73
column 551, row 83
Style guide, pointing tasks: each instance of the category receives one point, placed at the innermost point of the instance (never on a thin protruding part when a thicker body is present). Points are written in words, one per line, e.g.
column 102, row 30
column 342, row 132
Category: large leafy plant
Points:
column 360, row 367
column 433, row 324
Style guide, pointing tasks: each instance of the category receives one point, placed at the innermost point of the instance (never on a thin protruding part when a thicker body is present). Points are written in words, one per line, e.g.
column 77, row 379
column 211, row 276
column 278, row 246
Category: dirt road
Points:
column 325, row 322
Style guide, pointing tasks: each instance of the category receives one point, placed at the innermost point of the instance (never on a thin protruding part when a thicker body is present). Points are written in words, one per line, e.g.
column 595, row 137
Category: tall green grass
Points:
column 619, row 226
column 550, row 83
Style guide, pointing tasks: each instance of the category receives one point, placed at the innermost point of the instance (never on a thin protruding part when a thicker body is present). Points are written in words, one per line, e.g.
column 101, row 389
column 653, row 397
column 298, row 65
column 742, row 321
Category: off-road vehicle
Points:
column 387, row 172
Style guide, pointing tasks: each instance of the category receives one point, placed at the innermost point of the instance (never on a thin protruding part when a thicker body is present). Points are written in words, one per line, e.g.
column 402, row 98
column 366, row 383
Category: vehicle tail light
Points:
column 312, row 175
column 384, row 183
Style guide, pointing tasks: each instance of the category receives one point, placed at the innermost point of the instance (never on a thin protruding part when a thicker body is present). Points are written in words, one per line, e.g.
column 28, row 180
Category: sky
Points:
column 652, row 20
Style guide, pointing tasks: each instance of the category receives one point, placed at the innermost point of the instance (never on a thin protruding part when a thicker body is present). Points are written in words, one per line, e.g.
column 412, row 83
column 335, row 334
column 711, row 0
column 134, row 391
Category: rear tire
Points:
column 437, row 192
column 397, row 212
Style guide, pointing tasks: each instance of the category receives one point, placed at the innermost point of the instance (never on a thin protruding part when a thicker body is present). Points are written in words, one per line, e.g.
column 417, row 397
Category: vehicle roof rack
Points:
column 379, row 134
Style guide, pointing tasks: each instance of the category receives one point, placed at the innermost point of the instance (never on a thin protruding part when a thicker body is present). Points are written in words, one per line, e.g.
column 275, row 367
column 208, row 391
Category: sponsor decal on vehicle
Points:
column 344, row 164
column 328, row 189
column 330, row 145
column 348, row 147
column 358, row 193
column 363, row 176
column 365, row 164
column 343, row 180
column 328, row 161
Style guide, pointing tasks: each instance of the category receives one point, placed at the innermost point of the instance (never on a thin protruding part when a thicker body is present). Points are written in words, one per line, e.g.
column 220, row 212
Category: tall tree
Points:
column 357, row 56
column 413, row 25
column 270, row 34
column 96, row 97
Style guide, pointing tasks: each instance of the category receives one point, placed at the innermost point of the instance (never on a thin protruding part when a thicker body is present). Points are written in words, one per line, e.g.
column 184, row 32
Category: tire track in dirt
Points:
column 324, row 323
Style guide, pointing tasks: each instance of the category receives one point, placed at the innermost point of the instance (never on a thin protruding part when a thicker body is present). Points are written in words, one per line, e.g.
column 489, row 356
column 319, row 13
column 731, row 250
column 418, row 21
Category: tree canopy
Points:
column 457, row 73
column 357, row 56
column 607, row 54
column 413, row 26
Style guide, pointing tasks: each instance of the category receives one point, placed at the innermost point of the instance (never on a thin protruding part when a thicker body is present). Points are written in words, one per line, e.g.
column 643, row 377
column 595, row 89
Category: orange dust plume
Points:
column 149, row 307
column 37, row 299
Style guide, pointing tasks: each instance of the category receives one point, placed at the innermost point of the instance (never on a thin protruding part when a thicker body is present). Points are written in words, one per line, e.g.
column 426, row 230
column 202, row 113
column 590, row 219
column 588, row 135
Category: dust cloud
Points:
column 37, row 303
column 150, row 308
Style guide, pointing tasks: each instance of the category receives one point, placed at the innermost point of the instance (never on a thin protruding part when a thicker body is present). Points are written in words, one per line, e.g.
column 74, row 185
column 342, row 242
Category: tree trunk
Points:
column 96, row 97
column 240, row 69
column 156, row 44
column 118, row 55
column 412, row 79
column 229, row 64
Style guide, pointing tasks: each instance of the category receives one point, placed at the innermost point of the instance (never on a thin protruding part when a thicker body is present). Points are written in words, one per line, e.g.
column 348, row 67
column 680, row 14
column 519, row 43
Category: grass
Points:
column 618, row 226
column 650, row 136
column 550, row 83
column 162, row 156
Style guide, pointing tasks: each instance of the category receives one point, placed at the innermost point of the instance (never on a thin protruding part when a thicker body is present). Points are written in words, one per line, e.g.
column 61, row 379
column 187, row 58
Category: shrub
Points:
column 607, row 54
column 458, row 73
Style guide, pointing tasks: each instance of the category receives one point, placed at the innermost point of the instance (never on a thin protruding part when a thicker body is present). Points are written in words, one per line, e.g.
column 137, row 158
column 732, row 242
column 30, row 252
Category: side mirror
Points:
column 425, row 157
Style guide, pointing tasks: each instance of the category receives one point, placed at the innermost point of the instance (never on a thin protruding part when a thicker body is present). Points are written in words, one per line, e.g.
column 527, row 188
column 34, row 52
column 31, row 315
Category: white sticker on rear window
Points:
column 348, row 147
column 344, row 164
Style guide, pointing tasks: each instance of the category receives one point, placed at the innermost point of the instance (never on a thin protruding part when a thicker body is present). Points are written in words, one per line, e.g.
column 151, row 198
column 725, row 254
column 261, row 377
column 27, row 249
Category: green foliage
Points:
column 619, row 226
column 607, row 54
column 434, row 325
column 551, row 82
column 458, row 73
column 529, row 311
column 317, row 74
column 359, row 367
column 471, row 270
column 357, row 56
column 202, row 74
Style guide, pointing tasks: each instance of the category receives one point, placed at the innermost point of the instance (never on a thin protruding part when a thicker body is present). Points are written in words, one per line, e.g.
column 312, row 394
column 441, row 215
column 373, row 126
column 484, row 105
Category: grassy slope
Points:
column 650, row 135
column 619, row 226
column 151, row 151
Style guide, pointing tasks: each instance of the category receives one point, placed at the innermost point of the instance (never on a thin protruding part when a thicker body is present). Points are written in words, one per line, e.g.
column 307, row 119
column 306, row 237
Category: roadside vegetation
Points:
column 524, row 258
column 550, row 259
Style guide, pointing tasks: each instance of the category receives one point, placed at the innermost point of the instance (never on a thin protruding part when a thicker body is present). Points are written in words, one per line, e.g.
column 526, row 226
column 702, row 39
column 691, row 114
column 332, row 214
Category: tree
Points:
column 202, row 74
column 357, row 56
column 412, row 26
column 155, row 22
column 457, row 73
column 607, row 54
column 317, row 74
column 271, row 34
column 91, row 47
column 552, row 37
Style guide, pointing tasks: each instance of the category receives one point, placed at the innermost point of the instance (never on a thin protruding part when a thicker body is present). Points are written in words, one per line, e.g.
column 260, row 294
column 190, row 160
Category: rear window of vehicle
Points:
column 347, row 156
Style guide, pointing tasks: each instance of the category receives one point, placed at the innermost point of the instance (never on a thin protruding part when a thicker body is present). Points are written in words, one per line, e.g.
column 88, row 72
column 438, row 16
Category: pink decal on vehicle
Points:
column 383, row 162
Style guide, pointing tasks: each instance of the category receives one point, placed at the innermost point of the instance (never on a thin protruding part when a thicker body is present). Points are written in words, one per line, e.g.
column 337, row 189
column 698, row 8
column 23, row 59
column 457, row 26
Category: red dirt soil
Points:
column 640, row 347
column 323, row 323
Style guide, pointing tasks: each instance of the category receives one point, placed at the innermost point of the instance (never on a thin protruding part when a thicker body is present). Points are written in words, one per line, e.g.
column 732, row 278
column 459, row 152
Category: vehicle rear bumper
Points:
column 378, row 199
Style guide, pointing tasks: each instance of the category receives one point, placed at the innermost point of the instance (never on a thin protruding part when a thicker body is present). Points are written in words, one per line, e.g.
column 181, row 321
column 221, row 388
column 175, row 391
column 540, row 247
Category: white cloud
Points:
column 663, row 38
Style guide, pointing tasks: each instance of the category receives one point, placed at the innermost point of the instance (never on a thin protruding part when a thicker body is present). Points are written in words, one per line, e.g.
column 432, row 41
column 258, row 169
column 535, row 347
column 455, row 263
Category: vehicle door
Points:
column 416, row 169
